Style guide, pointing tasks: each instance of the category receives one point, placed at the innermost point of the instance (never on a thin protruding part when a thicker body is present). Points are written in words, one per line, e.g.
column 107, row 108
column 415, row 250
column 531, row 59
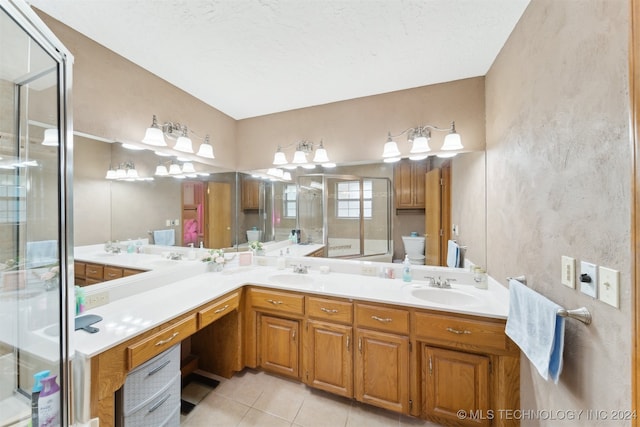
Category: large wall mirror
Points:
column 227, row 209
column 311, row 201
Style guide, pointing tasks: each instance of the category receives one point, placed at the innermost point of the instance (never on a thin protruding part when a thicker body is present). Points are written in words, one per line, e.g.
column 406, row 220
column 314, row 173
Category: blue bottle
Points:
column 406, row 269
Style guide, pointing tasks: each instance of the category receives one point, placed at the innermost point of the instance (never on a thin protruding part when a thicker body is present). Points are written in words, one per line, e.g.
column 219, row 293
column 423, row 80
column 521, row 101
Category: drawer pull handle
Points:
column 111, row 274
column 381, row 319
column 274, row 302
column 329, row 310
column 160, row 403
column 458, row 331
column 159, row 368
column 220, row 310
column 163, row 342
column 348, row 342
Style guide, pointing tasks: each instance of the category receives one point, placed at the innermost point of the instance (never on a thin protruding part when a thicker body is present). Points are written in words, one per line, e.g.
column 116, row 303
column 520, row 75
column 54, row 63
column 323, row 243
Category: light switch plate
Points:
column 568, row 273
column 590, row 288
column 609, row 286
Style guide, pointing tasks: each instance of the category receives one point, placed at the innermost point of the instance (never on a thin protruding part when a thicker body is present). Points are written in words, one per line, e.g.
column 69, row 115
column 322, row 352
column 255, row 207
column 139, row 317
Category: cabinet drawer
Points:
column 79, row 269
column 277, row 301
column 218, row 309
column 126, row 272
column 94, row 271
column 461, row 332
column 144, row 381
column 382, row 318
column 144, row 350
column 158, row 409
column 111, row 273
column 328, row 309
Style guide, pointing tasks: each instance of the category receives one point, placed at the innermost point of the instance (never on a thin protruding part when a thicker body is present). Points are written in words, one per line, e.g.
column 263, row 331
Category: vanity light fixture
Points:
column 50, row 137
column 206, row 149
column 303, row 149
column 155, row 136
column 125, row 171
column 419, row 137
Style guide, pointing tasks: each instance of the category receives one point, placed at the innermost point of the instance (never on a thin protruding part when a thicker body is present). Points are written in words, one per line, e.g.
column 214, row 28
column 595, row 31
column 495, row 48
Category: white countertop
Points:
column 129, row 316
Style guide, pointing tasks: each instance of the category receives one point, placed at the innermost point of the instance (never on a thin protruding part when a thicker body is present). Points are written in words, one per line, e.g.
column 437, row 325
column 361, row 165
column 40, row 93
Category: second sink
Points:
column 291, row 279
column 450, row 297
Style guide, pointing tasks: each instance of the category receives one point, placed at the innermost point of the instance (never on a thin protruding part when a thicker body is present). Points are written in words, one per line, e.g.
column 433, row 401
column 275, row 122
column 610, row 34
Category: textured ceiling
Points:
column 249, row 57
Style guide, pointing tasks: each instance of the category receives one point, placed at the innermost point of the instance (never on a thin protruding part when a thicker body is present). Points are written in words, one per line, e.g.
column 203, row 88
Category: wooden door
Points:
column 432, row 218
column 382, row 370
column 278, row 348
column 454, row 381
column 218, row 218
column 329, row 357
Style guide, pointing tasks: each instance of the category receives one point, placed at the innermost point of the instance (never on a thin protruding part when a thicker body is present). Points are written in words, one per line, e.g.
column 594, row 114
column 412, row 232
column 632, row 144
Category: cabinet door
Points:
column 330, row 357
column 403, row 184
column 455, row 381
column 278, row 347
column 250, row 194
column 382, row 370
column 408, row 180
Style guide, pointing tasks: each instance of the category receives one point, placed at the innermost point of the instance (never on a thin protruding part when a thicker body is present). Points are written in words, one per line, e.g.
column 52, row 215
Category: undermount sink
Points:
column 446, row 296
column 291, row 279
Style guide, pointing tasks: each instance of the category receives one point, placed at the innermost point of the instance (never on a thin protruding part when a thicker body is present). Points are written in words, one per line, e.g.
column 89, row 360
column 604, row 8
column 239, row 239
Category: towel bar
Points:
column 581, row 314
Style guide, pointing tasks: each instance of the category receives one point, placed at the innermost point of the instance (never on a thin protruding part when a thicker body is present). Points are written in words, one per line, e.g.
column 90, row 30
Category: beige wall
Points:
column 114, row 98
column 356, row 130
column 558, row 183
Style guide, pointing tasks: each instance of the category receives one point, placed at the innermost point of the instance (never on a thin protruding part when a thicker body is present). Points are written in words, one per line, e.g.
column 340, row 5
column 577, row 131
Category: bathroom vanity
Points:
column 409, row 348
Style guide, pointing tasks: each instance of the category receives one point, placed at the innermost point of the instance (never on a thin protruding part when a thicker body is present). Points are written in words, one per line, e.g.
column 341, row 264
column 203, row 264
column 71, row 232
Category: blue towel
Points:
column 453, row 254
column 164, row 237
column 535, row 326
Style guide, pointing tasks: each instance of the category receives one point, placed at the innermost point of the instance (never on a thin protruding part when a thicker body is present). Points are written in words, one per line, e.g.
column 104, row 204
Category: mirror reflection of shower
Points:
column 349, row 215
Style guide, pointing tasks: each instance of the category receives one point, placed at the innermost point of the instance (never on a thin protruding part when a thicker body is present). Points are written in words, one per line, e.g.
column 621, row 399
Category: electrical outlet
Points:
column 609, row 286
column 568, row 273
column 96, row 300
column 168, row 223
column 589, row 279
column 368, row 270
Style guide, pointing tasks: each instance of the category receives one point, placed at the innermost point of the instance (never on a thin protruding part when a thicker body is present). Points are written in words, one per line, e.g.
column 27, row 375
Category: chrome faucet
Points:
column 301, row 269
column 440, row 283
column 176, row 256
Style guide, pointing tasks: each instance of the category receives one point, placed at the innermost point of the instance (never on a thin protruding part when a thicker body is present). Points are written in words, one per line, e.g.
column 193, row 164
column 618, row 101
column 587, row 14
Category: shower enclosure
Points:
column 34, row 255
column 349, row 215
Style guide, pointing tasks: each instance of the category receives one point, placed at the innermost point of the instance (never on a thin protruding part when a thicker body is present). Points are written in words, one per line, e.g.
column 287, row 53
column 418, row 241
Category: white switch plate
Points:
column 609, row 286
column 568, row 272
column 589, row 288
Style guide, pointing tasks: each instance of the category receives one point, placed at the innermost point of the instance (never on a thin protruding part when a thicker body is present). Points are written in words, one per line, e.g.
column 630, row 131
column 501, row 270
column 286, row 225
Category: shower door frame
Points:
column 325, row 225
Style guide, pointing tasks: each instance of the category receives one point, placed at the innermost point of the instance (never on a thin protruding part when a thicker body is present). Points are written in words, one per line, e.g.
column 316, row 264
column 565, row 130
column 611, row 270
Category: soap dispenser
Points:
column 406, row 269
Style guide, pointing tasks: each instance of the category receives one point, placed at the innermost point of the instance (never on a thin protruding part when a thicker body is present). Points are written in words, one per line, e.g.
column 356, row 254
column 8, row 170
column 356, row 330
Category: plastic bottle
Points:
column 130, row 247
column 49, row 403
column 281, row 263
column 406, row 269
column 35, row 394
column 480, row 278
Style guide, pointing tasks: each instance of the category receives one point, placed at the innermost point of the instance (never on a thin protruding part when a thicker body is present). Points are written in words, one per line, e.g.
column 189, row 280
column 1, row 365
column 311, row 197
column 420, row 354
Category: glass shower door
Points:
column 33, row 261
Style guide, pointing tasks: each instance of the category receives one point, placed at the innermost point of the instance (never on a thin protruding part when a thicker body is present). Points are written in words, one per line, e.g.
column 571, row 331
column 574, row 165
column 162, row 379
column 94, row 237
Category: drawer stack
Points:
column 151, row 393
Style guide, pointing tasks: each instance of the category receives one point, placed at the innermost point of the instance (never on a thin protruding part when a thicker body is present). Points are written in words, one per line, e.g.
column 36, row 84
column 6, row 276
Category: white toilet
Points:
column 253, row 235
column 414, row 247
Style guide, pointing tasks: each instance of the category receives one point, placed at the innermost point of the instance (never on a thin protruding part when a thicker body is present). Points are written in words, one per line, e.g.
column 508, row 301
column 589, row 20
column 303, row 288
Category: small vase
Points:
column 215, row 267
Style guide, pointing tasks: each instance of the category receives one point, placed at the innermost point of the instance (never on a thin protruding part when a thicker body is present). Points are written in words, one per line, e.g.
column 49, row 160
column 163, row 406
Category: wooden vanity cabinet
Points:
column 382, row 359
column 274, row 320
column 279, row 348
column 328, row 345
column 467, row 363
column 409, row 184
column 89, row 273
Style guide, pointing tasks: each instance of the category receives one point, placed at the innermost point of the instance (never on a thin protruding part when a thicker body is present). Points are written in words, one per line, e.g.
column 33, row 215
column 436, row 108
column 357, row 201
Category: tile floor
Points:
column 255, row 398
